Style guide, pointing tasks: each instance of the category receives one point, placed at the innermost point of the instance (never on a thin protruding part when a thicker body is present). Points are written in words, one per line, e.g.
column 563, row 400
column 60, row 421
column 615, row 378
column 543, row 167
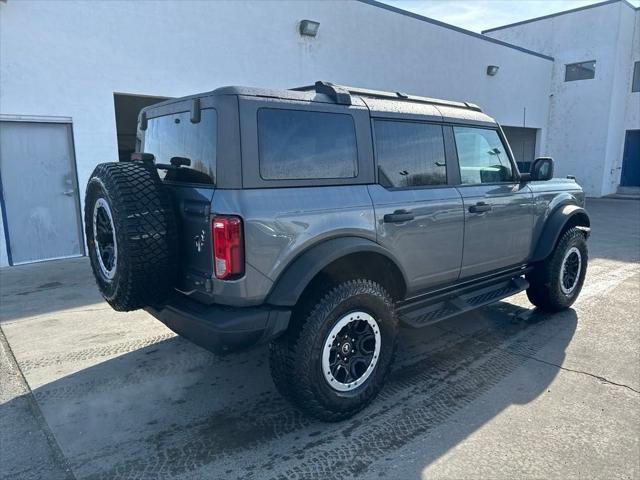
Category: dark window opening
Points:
column 127, row 108
column 175, row 136
column 296, row 145
column 635, row 85
column 523, row 145
column 409, row 154
column 580, row 71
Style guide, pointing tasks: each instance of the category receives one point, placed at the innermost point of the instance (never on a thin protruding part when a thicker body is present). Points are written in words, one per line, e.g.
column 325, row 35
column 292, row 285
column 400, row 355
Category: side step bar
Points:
column 449, row 304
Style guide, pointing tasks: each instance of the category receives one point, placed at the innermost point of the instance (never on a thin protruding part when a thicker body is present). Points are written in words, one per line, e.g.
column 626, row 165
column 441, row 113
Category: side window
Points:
column 296, row 145
column 482, row 156
column 175, row 136
column 409, row 154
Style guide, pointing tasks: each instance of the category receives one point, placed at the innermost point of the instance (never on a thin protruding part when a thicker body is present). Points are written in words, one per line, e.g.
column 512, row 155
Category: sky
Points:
column 478, row 15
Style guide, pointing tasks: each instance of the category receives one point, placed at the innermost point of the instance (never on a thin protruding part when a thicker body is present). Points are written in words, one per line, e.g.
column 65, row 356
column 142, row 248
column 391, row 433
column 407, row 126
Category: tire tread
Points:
column 146, row 228
column 291, row 356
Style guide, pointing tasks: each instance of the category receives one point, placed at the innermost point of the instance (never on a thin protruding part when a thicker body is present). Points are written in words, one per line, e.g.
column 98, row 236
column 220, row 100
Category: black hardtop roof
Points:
column 326, row 92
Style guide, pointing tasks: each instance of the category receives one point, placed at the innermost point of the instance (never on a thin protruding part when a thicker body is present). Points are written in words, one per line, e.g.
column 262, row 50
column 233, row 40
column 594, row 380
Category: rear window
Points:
column 296, row 145
column 175, row 136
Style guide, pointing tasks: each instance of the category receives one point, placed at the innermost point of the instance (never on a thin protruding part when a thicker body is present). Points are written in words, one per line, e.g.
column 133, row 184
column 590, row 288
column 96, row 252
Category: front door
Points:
column 39, row 191
column 498, row 209
column 419, row 216
column 630, row 176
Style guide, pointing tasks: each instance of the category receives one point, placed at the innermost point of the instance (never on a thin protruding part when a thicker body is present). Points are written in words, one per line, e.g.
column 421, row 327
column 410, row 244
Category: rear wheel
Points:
column 334, row 358
column 556, row 283
column 131, row 233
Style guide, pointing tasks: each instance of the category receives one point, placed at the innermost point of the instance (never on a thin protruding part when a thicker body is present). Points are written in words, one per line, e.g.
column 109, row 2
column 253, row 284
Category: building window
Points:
column 580, row 71
column 635, row 86
column 409, row 154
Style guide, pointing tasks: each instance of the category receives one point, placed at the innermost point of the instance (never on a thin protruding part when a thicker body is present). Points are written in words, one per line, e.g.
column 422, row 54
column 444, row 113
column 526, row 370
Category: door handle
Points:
column 69, row 193
column 479, row 207
column 399, row 216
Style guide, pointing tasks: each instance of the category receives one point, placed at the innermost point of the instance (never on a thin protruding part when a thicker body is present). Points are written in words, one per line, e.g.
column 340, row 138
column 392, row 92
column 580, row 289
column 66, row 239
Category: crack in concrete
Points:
column 551, row 364
column 582, row 372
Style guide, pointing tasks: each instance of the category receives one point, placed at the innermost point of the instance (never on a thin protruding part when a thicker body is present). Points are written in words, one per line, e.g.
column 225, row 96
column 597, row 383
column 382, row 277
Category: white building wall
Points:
column 68, row 58
column 586, row 117
column 632, row 114
column 620, row 100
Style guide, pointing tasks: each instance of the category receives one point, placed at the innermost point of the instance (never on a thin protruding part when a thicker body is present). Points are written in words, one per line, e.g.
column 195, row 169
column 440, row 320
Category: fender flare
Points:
column 554, row 227
column 289, row 286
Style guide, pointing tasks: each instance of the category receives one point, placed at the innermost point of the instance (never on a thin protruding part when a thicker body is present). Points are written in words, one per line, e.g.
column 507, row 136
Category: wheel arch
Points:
column 560, row 220
column 335, row 260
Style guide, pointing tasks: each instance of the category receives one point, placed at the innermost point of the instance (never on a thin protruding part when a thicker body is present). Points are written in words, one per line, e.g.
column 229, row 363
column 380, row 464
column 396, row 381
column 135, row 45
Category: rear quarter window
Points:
column 175, row 136
column 296, row 145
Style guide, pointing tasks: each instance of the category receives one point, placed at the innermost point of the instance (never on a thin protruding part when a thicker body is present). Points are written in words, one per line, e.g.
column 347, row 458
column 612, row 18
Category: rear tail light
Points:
column 228, row 247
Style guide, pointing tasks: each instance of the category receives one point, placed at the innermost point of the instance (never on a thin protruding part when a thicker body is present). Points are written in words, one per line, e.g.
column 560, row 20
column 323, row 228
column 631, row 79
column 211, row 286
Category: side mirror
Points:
column 542, row 169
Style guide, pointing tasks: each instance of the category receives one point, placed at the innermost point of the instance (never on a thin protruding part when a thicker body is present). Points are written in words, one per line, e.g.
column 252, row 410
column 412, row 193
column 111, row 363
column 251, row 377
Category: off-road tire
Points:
column 145, row 231
column 545, row 290
column 295, row 357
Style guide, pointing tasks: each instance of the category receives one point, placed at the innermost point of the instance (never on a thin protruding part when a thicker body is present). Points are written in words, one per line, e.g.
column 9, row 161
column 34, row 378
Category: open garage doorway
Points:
column 523, row 145
column 127, row 108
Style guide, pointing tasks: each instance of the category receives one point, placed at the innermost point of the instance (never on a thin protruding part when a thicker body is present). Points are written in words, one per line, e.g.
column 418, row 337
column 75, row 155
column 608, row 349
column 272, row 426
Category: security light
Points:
column 309, row 28
column 492, row 70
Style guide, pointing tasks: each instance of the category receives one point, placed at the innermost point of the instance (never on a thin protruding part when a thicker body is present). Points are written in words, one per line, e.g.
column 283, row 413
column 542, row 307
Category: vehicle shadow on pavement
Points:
column 174, row 410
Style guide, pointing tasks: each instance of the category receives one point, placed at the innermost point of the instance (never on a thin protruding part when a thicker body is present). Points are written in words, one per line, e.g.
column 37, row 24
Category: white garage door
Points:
column 39, row 191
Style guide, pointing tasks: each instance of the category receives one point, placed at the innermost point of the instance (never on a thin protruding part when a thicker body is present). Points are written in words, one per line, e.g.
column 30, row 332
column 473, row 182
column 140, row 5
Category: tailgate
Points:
column 193, row 209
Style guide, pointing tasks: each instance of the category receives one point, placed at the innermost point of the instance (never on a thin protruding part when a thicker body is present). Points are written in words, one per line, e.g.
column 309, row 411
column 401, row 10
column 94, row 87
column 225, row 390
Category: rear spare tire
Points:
column 131, row 234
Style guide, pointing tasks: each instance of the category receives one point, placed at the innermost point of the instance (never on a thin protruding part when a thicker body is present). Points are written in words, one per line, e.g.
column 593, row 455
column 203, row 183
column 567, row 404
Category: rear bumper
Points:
column 220, row 328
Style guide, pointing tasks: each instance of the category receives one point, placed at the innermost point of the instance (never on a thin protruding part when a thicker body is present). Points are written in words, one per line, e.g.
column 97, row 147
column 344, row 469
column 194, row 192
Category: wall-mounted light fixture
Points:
column 308, row 28
column 492, row 70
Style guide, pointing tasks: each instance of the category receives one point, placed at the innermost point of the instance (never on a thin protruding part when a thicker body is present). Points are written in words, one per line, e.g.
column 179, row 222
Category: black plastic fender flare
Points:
column 554, row 227
column 291, row 283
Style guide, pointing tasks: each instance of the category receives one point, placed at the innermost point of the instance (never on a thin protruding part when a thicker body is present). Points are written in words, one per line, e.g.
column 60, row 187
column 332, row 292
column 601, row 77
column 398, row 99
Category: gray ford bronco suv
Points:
column 317, row 219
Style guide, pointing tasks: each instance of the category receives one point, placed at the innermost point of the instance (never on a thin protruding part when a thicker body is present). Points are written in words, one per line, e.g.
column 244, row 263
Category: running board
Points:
column 445, row 305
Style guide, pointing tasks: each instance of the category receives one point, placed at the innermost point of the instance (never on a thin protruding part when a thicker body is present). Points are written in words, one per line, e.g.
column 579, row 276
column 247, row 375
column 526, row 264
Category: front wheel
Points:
column 556, row 282
column 334, row 358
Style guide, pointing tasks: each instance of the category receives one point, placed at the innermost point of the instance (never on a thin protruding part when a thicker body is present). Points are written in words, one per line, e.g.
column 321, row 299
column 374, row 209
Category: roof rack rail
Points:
column 338, row 93
column 342, row 94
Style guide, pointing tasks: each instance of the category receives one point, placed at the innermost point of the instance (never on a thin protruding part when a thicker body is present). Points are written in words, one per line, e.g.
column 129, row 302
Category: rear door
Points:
column 498, row 209
column 419, row 214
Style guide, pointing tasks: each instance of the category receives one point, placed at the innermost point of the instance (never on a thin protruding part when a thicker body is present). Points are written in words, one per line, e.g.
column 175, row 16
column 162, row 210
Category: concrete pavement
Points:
column 504, row 392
